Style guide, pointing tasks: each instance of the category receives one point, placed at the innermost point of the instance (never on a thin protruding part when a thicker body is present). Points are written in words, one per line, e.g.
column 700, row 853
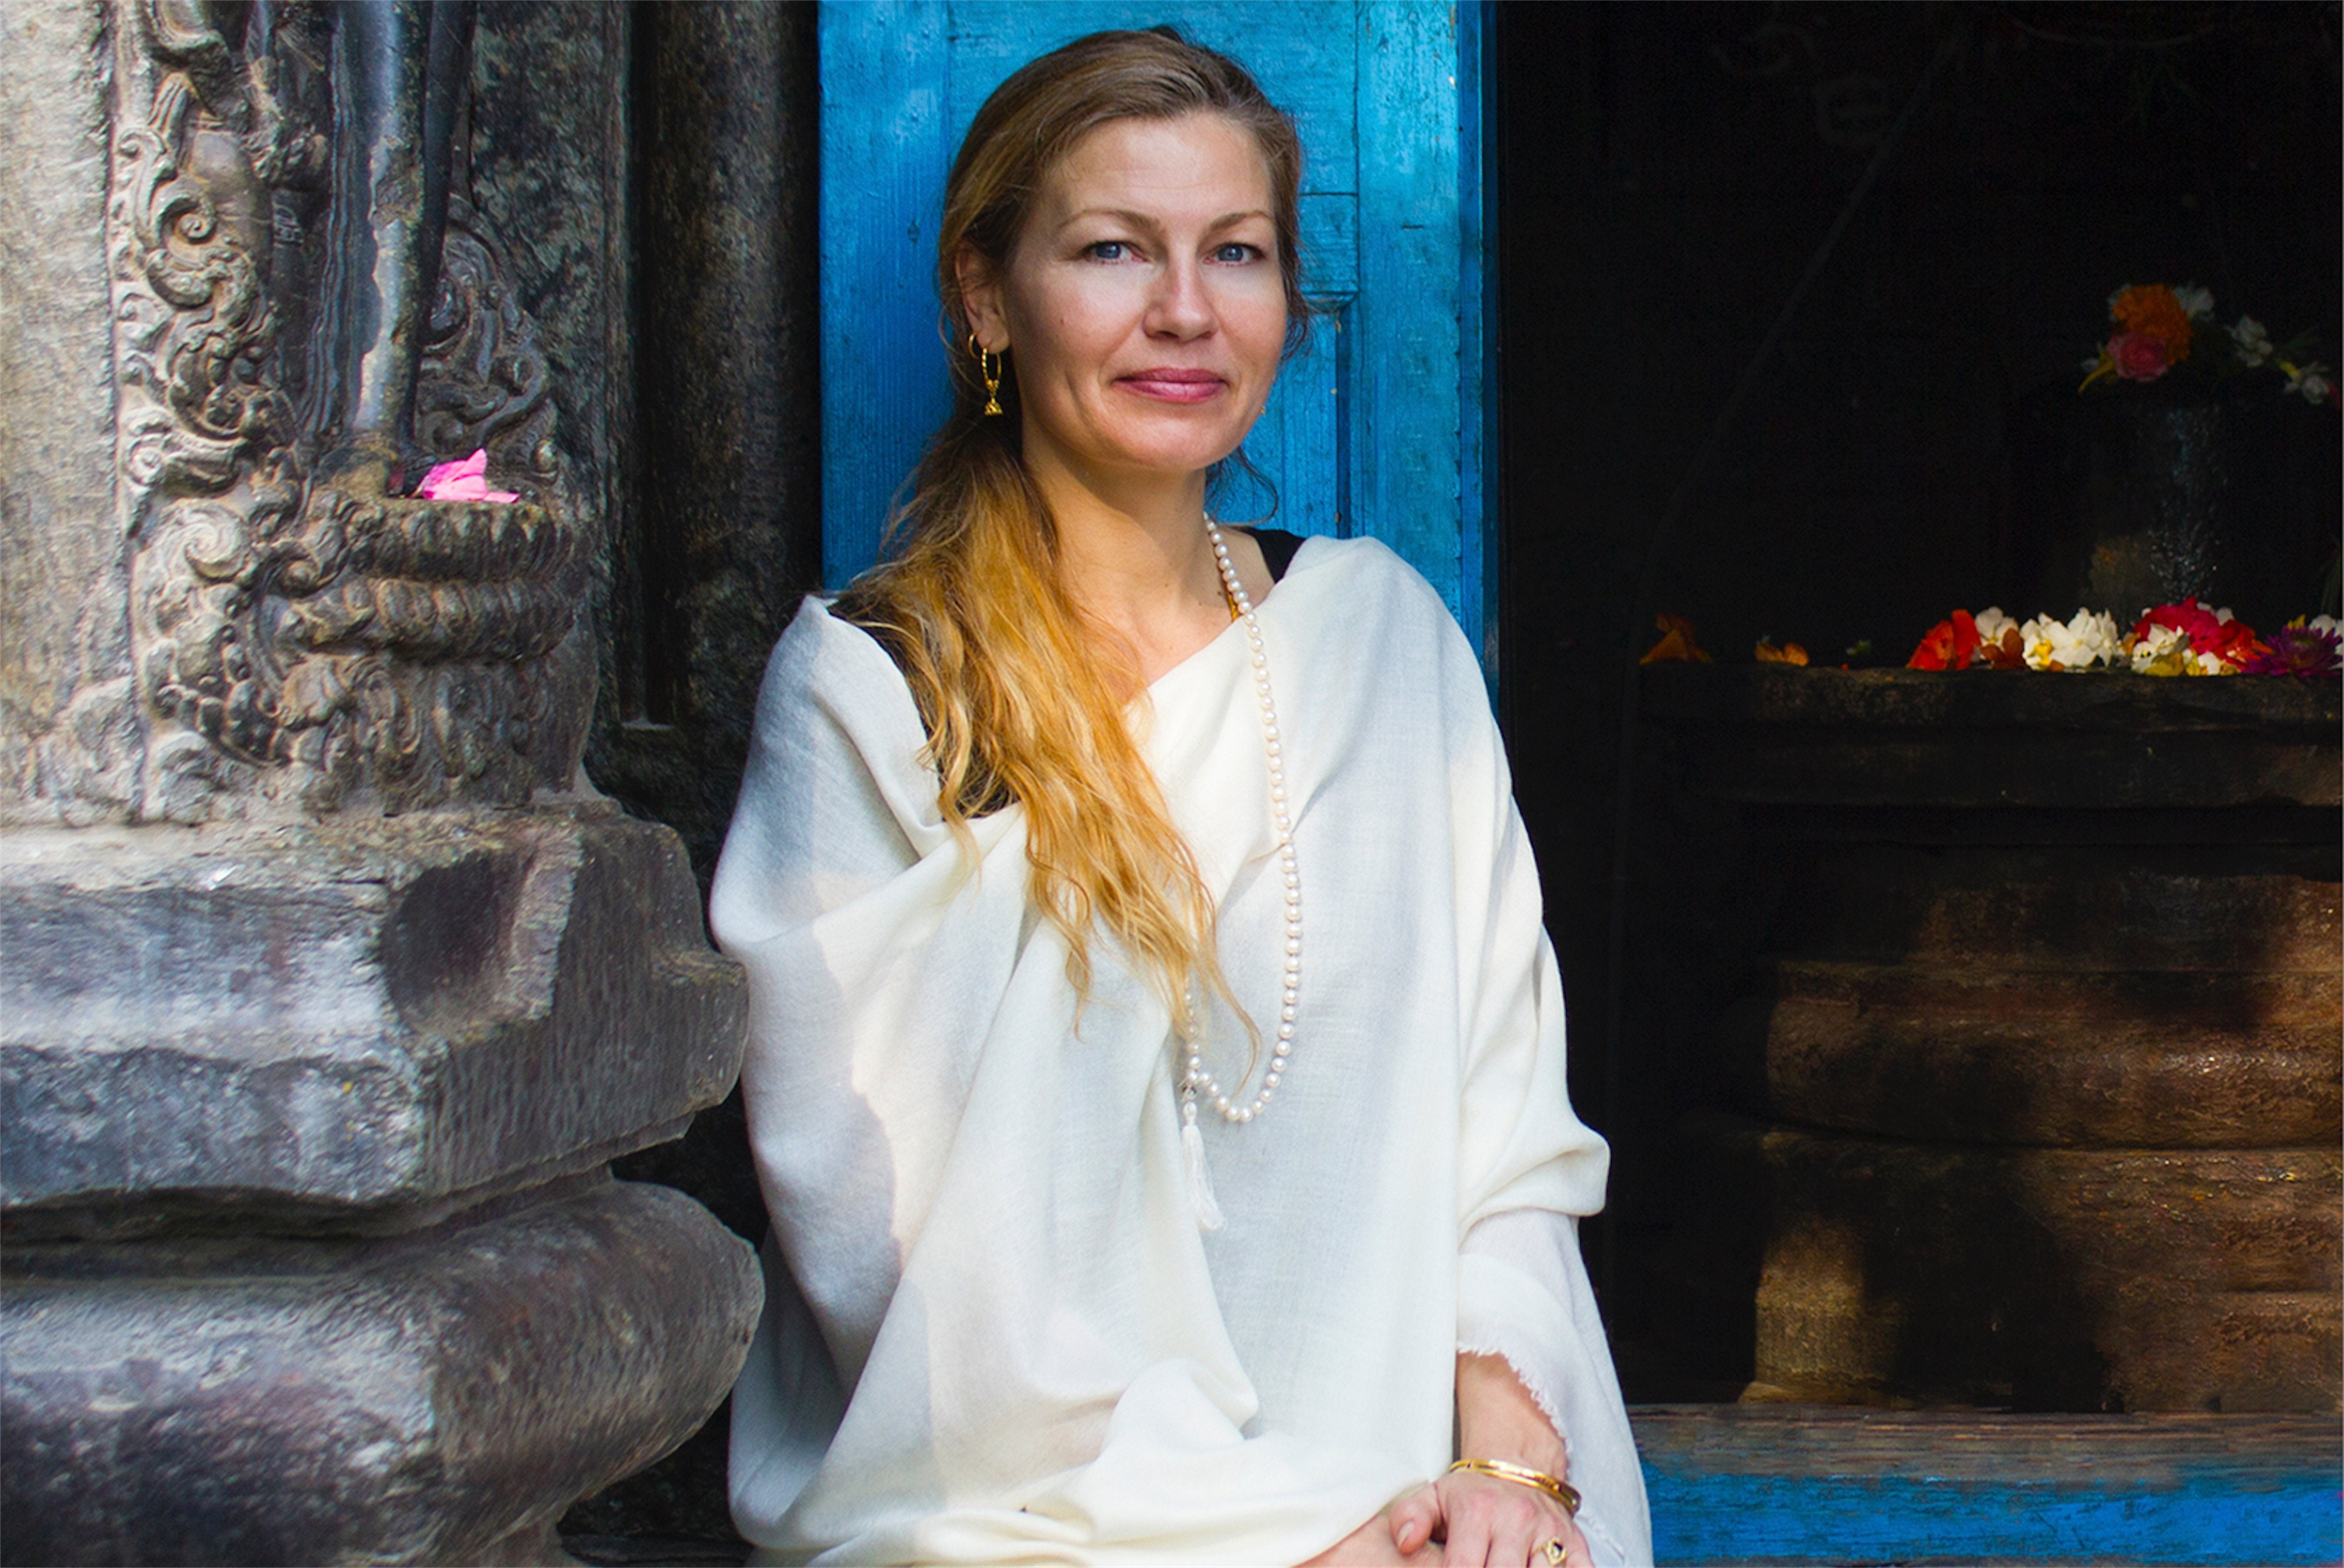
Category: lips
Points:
column 1174, row 384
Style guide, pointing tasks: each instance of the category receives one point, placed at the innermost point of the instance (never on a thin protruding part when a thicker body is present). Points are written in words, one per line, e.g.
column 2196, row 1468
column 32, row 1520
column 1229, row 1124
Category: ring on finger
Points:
column 1553, row 1551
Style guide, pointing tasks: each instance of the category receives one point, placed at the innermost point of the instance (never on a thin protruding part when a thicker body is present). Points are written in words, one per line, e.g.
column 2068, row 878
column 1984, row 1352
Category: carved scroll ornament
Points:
column 306, row 640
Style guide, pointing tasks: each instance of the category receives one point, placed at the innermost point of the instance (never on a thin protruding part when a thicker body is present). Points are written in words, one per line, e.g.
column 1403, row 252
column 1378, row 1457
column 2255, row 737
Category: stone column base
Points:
column 438, row 1397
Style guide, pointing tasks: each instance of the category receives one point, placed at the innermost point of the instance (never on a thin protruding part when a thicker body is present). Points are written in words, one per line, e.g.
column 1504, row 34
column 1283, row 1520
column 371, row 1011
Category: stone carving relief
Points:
column 305, row 634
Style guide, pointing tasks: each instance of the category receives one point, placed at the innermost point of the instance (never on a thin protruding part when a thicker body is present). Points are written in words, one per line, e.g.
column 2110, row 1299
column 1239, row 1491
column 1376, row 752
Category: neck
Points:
column 1135, row 559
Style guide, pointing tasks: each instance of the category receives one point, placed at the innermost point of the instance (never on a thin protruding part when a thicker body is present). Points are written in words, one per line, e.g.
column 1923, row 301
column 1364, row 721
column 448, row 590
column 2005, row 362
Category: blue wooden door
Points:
column 1376, row 428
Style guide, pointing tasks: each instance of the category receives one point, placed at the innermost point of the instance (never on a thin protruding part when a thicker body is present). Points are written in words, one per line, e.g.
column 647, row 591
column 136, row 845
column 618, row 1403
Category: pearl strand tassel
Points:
column 1197, row 1081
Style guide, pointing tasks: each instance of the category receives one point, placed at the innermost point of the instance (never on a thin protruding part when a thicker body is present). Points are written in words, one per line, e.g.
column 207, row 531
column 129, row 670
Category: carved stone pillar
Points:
column 328, row 988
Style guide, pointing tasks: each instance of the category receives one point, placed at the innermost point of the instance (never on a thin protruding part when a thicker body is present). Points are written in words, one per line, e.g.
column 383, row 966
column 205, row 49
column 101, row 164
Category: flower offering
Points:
column 1676, row 645
column 2090, row 640
column 2187, row 638
column 465, row 478
column 2299, row 648
column 2158, row 327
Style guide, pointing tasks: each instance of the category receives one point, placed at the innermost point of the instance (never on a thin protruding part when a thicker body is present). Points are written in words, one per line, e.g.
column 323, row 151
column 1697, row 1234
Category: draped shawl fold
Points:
column 1009, row 1339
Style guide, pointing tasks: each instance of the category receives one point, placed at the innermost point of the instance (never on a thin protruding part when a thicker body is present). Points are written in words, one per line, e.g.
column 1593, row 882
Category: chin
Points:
column 1184, row 452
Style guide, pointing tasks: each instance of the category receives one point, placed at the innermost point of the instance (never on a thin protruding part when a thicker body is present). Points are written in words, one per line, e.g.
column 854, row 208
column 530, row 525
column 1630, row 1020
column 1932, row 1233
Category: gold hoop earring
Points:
column 988, row 365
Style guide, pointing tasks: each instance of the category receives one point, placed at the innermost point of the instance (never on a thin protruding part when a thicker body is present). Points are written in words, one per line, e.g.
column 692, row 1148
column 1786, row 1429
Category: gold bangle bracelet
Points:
column 1563, row 1492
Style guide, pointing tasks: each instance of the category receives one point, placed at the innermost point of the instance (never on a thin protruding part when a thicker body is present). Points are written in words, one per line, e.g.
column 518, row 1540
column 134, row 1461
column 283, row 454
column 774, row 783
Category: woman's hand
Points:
column 1482, row 1519
column 1485, row 1521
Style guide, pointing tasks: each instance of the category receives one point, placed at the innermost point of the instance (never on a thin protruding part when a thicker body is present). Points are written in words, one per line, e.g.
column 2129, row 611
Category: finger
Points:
column 1518, row 1540
column 1520, row 1525
column 1414, row 1519
column 1467, row 1517
column 1520, row 1531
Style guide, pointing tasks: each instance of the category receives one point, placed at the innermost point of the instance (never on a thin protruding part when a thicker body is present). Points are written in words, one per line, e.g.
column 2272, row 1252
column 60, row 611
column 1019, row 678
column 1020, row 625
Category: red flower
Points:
column 2232, row 641
column 1950, row 644
column 2188, row 615
column 2139, row 356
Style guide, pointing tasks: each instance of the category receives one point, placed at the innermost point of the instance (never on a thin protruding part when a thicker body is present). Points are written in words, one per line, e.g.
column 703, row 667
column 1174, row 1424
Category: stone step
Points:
column 2214, row 998
column 2078, row 1081
column 2126, row 907
column 2184, row 1279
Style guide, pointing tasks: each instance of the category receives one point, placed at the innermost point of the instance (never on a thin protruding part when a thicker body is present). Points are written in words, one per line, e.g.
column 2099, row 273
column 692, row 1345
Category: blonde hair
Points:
column 1021, row 698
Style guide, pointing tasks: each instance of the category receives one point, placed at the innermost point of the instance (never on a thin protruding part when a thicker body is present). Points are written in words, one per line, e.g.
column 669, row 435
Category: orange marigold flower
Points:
column 2154, row 311
column 1676, row 644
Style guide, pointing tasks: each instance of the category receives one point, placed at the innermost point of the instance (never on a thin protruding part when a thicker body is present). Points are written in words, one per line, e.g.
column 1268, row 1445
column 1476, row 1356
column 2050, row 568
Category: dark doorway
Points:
column 1665, row 173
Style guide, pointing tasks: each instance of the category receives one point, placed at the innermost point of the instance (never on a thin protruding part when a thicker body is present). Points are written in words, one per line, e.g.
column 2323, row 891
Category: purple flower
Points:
column 2305, row 651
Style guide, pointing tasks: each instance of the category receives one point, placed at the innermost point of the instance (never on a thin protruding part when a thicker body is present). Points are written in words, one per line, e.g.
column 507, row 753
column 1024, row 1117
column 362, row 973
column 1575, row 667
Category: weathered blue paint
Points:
column 1771, row 1519
column 1375, row 428
column 885, row 143
column 1833, row 1486
column 1479, row 443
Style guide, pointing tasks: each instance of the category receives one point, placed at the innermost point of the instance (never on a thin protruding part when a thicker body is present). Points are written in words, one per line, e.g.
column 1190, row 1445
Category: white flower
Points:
column 2311, row 381
column 2253, row 343
column 2077, row 644
column 1992, row 623
column 2198, row 304
column 2163, row 642
column 2324, row 623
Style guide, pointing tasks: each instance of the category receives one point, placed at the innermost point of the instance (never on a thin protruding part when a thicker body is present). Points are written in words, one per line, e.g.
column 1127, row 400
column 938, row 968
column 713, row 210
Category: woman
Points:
column 1155, row 1074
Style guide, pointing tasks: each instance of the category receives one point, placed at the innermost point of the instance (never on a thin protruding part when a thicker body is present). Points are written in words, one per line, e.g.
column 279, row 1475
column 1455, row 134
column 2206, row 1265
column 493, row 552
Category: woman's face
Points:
column 1143, row 308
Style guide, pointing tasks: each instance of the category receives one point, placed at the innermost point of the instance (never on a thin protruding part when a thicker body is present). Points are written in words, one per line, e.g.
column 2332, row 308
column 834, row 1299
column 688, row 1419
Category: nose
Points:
column 1179, row 306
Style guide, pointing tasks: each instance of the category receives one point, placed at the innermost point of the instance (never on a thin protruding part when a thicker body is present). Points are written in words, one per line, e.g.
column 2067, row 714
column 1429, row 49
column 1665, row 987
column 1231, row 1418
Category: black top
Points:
column 1277, row 548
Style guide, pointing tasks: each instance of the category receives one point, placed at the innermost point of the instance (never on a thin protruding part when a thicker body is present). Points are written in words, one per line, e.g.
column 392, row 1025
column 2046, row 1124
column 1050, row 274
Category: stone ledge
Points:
column 346, row 1018
column 2104, row 700
column 431, row 1398
column 1983, row 739
column 2090, row 1082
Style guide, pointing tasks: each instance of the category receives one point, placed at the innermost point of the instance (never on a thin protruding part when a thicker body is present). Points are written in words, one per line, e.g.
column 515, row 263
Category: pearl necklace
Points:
column 1197, row 1081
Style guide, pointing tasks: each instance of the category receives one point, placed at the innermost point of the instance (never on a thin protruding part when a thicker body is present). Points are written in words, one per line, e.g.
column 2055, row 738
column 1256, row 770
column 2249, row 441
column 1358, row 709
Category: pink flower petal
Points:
column 464, row 479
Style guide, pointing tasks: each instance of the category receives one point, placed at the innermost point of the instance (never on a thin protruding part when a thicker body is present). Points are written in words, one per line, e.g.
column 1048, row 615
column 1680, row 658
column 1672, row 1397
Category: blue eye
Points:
column 1106, row 250
column 1236, row 252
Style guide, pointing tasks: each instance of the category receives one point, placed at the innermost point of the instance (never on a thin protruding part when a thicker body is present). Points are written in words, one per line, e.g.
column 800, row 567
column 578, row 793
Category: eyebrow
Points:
column 1141, row 219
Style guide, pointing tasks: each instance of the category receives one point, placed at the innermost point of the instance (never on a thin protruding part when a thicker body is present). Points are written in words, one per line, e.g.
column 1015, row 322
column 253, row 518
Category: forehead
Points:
column 1199, row 164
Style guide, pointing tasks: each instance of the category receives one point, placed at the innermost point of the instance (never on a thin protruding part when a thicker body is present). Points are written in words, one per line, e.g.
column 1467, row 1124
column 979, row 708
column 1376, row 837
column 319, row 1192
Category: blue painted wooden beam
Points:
column 885, row 148
column 1405, row 405
column 1827, row 1484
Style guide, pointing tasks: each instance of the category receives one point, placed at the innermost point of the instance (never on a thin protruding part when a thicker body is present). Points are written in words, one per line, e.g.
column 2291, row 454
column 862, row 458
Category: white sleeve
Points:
column 1529, row 1169
column 1523, row 1294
